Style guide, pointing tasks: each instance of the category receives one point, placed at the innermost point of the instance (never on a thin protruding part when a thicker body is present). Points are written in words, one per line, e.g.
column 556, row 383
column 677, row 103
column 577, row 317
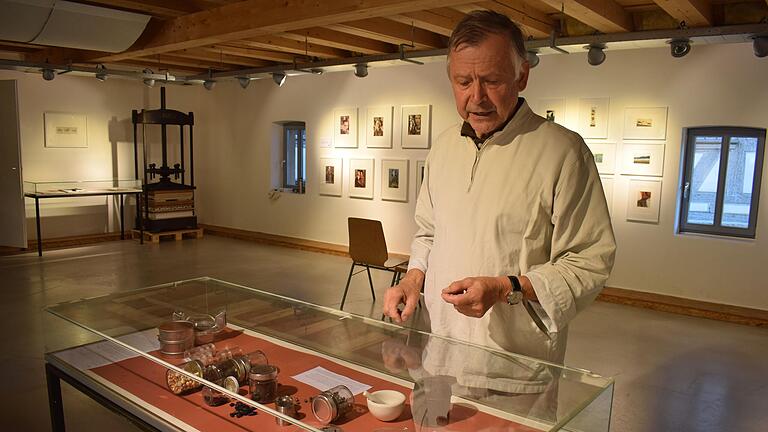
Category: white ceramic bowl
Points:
column 389, row 406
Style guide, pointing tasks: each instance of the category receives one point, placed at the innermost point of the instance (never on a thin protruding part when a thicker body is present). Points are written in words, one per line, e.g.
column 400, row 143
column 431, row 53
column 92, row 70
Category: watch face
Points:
column 514, row 297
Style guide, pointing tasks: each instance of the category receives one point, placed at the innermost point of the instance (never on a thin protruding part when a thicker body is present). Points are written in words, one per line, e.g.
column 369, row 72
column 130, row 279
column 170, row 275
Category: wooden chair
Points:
column 368, row 249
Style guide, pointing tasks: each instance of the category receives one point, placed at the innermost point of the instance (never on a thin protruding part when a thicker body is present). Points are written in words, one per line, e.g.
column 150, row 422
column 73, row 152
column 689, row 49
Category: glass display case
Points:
column 82, row 187
column 273, row 363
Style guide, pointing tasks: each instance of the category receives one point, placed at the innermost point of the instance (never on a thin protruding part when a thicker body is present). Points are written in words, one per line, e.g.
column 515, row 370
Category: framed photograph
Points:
column 394, row 180
column 330, row 177
column 551, row 109
column 645, row 123
column 345, row 127
column 416, row 126
column 65, row 130
column 644, row 160
column 378, row 127
column 419, row 175
column 605, row 157
column 607, row 182
column 643, row 200
column 361, row 178
column 593, row 118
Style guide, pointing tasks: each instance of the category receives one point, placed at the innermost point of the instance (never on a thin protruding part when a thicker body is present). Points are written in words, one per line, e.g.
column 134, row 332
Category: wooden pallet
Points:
column 177, row 235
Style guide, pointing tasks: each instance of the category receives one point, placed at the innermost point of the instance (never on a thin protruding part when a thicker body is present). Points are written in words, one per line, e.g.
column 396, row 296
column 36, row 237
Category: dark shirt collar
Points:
column 468, row 131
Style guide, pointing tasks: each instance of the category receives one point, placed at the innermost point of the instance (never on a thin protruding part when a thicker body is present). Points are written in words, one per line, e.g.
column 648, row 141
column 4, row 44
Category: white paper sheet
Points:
column 323, row 379
column 106, row 352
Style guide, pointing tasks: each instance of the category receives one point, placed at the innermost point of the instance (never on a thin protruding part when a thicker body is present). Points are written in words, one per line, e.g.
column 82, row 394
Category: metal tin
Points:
column 285, row 405
column 175, row 337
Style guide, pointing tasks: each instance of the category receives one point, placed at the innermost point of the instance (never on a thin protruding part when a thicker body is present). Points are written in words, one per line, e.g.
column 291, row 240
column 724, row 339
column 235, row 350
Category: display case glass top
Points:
column 112, row 342
column 81, row 187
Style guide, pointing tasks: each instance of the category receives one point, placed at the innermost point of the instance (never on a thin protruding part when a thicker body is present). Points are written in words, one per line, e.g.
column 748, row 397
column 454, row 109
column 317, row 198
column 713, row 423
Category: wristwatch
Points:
column 516, row 294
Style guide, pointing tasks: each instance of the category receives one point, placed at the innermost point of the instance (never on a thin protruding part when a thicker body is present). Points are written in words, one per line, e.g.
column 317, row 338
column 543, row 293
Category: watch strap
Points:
column 515, row 284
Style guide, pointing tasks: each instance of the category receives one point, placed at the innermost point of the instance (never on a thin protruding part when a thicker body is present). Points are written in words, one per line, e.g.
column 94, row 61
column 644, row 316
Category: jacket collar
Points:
column 520, row 111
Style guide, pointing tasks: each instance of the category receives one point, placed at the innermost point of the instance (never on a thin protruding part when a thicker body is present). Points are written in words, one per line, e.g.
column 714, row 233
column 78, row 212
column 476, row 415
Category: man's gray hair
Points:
column 479, row 24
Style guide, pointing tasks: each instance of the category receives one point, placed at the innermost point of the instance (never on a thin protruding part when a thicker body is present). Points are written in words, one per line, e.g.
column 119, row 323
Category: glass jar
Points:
column 213, row 397
column 204, row 353
column 235, row 367
column 333, row 404
column 179, row 383
column 263, row 383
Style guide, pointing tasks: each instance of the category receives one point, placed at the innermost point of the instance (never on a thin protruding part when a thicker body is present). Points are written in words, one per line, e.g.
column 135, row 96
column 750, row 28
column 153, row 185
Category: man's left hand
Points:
column 473, row 296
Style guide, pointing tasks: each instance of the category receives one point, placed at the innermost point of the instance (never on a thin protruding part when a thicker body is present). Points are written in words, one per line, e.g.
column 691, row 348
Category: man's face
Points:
column 484, row 84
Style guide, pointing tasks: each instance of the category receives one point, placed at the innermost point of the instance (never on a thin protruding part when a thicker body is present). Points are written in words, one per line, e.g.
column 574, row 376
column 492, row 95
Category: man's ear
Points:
column 522, row 82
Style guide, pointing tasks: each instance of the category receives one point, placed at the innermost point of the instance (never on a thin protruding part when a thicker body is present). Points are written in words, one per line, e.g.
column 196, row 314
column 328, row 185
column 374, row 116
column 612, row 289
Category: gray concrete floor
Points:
column 673, row 373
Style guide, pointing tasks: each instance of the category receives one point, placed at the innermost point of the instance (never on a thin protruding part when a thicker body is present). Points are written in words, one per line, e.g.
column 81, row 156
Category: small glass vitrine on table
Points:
column 108, row 348
column 86, row 188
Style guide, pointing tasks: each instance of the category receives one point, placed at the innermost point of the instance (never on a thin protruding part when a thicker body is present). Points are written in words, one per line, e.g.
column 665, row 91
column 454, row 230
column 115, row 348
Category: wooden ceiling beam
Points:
column 606, row 16
column 155, row 66
column 251, row 18
column 157, row 8
column 695, row 13
column 427, row 20
column 392, row 32
column 293, row 46
column 215, row 55
column 170, row 59
column 340, row 40
column 531, row 21
column 246, row 49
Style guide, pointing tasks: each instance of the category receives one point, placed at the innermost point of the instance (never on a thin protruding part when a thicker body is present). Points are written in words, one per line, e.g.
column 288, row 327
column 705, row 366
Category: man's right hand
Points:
column 406, row 292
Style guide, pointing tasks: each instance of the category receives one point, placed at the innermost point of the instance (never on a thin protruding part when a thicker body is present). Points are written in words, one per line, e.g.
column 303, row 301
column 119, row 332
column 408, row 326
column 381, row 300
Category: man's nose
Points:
column 478, row 92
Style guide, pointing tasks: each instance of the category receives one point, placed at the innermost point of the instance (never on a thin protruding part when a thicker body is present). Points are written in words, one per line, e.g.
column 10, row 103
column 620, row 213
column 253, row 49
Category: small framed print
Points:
column 607, row 182
column 65, row 130
column 643, row 200
column 345, row 127
column 420, row 166
column 378, row 124
column 605, row 157
column 593, row 118
column 416, row 126
column 361, row 178
column 643, row 160
column 551, row 109
column 394, row 180
column 329, row 181
column 645, row 123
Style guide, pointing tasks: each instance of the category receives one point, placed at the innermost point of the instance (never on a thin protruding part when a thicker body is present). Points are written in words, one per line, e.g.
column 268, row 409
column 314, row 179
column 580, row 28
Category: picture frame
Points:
column 607, row 182
column 65, row 130
column 394, row 180
column 420, row 167
column 643, row 200
column 344, row 126
column 605, row 157
column 361, row 178
column 643, row 160
column 330, row 176
column 416, row 126
column 378, row 127
column 645, row 123
column 551, row 109
column 593, row 118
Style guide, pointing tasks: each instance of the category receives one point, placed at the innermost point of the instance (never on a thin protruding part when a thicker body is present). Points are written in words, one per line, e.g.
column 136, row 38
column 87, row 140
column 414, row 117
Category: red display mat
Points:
column 145, row 380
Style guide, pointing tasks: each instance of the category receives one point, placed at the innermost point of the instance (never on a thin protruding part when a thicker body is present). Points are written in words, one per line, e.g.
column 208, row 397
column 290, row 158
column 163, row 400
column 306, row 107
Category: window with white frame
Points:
column 722, row 169
column 294, row 156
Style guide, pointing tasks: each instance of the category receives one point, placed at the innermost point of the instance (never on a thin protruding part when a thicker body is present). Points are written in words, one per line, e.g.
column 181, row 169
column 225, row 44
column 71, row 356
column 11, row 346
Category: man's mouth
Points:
column 481, row 114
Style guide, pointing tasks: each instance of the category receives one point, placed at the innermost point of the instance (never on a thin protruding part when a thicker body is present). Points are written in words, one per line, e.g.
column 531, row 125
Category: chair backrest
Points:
column 366, row 241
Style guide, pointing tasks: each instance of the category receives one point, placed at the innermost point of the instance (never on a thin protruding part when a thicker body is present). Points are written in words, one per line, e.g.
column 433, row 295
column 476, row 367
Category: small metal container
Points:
column 176, row 337
column 333, row 404
column 285, row 405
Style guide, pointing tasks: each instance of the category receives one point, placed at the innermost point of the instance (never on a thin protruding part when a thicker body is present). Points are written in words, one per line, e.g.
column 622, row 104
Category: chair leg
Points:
column 349, row 278
column 370, row 282
column 394, row 279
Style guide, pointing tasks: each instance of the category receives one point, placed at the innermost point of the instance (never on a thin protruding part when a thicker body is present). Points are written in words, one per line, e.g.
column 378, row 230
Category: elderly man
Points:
column 514, row 236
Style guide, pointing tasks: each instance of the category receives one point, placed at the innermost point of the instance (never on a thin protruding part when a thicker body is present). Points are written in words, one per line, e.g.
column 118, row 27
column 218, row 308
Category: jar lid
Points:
column 172, row 328
column 324, row 408
column 231, row 384
column 263, row 372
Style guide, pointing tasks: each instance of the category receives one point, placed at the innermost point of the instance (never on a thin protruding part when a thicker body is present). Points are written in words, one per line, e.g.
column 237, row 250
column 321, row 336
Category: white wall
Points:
column 714, row 85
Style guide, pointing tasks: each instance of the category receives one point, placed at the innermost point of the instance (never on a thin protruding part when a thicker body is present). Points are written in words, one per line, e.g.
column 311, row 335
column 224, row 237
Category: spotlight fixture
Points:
column 596, row 55
column 101, row 72
column 244, row 82
column 279, row 78
column 149, row 82
column 49, row 74
column 679, row 47
column 361, row 70
column 209, row 84
column 760, row 46
column 533, row 58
